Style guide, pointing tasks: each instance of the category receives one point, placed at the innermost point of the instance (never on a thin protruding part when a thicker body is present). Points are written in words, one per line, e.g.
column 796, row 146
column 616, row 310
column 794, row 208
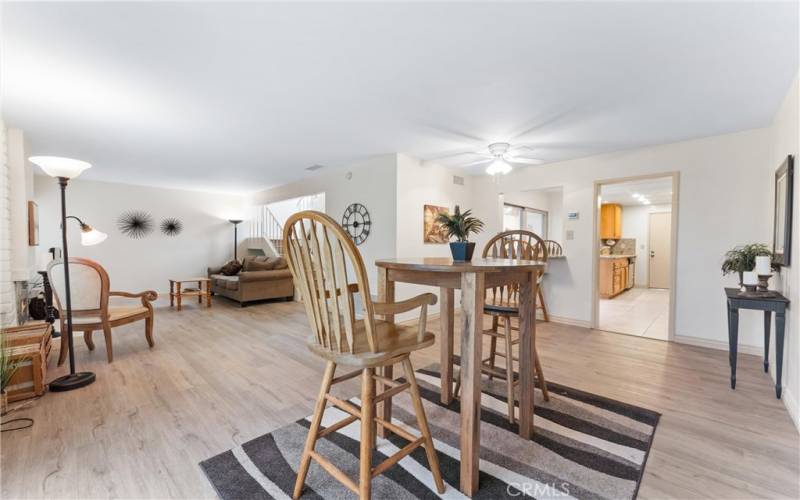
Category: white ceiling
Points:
column 237, row 97
column 656, row 191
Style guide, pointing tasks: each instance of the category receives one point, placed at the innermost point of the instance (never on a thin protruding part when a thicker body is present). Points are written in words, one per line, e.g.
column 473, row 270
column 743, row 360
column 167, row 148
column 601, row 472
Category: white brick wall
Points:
column 7, row 316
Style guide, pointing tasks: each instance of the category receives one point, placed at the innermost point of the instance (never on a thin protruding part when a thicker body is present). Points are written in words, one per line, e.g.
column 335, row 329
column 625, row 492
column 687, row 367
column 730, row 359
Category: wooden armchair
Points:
column 91, row 290
column 320, row 254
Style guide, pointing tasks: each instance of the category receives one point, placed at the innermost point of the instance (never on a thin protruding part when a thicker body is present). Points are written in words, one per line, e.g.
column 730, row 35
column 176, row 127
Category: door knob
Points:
column 652, row 254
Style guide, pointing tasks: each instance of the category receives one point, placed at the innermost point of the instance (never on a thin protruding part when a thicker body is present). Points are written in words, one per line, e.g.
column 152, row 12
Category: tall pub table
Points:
column 773, row 302
column 472, row 278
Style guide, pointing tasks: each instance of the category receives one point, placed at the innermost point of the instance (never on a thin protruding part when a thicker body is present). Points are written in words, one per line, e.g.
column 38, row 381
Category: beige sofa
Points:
column 260, row 278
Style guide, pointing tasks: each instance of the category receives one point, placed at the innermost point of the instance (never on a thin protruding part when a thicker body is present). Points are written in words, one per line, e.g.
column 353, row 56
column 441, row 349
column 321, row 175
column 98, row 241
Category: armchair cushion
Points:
column 114, row 314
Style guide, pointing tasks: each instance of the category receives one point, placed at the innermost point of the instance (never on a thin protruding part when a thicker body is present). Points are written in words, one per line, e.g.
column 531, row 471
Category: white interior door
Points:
column 660, row 248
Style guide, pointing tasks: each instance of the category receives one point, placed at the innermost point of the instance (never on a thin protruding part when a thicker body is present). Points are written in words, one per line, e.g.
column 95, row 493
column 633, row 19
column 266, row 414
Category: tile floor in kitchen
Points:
column 643, row 312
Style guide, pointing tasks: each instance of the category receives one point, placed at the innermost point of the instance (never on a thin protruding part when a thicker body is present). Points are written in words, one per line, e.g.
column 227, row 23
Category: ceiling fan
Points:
column 499, row 157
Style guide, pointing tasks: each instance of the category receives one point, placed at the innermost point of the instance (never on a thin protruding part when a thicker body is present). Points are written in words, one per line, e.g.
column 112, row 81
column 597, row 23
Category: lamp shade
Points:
column 498, row 166
column 91, row 236
column 56, row 166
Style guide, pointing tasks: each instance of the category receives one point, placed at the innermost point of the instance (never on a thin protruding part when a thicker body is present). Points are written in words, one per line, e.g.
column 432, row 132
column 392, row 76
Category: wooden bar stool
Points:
column 319, row 253
column 502, row 303
column 553, row 250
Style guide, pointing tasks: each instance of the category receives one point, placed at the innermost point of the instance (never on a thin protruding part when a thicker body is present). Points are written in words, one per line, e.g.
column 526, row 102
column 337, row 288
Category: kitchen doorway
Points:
column 634, row 255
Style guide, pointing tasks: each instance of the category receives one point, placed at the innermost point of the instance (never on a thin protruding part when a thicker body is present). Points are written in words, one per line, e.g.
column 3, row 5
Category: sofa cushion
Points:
column 222, row 281
column 275, row 274
column 257, row 264
column 260, row 263
column 280, row 263
column 231, row 268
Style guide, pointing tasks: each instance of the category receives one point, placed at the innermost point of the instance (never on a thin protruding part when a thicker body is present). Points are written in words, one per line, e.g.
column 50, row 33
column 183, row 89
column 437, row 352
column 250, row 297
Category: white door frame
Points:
column 673, row 244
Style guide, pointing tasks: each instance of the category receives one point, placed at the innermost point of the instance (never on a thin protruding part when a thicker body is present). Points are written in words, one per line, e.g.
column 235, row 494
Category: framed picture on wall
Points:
column 782, row 231
column 433, row 232
column 33, row 224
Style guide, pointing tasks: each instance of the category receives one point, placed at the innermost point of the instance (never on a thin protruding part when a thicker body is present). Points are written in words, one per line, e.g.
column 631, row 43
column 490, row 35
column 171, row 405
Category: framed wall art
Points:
column 433, row 232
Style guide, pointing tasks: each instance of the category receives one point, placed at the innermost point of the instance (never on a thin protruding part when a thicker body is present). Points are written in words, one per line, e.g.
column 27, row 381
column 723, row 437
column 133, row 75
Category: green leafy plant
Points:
column 7, row 367
column 743, row 258
column 460, row 225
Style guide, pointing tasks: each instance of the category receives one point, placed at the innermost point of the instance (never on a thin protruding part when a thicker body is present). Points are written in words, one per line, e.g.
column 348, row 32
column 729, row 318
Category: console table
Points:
column 769, row 304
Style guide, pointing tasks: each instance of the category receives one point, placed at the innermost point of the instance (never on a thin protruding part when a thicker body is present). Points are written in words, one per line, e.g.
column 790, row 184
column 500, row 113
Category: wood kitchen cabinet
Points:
column 613, row 277
column 610, row 221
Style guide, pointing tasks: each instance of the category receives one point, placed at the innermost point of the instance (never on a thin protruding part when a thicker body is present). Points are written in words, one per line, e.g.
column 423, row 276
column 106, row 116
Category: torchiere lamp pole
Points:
column 235, row 223
column 65, row 169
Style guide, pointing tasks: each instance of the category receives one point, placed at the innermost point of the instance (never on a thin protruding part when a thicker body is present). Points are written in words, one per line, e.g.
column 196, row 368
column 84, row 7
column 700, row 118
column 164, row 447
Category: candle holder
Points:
column 763, row 282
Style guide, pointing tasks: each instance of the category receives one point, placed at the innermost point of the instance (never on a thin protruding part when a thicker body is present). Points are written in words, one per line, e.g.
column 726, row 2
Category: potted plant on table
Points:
column 743, row 258
column 459, row 226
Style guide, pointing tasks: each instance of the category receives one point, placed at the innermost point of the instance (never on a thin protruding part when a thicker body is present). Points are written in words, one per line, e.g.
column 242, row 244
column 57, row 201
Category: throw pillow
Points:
column 279, row 263
column 232, row 268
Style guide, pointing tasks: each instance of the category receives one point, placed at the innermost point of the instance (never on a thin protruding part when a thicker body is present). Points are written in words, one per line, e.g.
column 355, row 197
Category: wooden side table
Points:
column 177, row 291
column 769, row 304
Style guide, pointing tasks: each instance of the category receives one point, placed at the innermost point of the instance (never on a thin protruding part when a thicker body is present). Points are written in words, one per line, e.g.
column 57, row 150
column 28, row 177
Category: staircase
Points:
column 267, row 231
column 266, row 228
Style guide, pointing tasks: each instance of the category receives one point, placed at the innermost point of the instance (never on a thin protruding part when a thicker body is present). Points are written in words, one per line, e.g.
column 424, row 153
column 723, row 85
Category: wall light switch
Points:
column 570, row 234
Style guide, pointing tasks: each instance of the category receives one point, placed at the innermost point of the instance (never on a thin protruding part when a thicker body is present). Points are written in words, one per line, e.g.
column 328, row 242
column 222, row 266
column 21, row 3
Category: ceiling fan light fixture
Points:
column 498, row 166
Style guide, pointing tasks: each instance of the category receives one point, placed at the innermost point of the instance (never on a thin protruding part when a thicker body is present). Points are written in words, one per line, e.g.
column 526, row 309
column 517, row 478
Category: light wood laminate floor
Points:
column 221, row 376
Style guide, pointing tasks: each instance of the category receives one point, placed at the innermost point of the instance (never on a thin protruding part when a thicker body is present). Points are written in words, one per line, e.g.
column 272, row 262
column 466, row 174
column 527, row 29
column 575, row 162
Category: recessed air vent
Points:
column 314, row 167
column 458, row 180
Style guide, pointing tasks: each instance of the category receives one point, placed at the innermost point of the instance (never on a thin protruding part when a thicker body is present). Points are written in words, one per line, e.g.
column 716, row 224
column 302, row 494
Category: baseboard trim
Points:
column 570, row 321
column 717, row 344
column 790, row 403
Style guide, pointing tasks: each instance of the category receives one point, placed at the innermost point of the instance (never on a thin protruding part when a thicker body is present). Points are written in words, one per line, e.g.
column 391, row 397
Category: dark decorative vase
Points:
column 462, row 251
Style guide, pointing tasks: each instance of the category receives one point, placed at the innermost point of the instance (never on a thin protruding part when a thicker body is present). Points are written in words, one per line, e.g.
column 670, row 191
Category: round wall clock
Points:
column 357, row 223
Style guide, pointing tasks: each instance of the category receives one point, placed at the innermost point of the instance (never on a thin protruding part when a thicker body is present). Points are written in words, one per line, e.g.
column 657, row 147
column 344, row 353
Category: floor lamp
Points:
column 235, row 223
column 65, row 169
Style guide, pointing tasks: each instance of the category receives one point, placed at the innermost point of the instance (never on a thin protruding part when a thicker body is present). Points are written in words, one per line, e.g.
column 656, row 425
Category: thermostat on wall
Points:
column 573, row 215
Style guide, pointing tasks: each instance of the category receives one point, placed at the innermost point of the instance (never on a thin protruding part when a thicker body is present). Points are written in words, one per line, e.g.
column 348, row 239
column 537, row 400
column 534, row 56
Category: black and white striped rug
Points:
column 584, row 446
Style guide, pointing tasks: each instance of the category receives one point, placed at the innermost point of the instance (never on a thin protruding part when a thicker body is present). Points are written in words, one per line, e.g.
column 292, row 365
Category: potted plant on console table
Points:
column 743, row 258
column 459, row 226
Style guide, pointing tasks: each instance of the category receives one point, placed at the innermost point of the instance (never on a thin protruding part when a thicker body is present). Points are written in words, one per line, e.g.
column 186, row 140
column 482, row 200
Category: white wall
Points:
column 373, row 184
column 148, row 263
column 21, row 185
column 723, row 192
column 7, row 316
column 417, row 186
column 556, row 215
column 784, row 136
column 636, row 224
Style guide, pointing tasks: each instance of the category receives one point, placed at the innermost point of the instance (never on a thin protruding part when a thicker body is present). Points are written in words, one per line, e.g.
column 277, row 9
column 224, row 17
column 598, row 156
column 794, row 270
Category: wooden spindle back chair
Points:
column 516, row 244
column 502, row 303
column 553, row 248
column 321, row 257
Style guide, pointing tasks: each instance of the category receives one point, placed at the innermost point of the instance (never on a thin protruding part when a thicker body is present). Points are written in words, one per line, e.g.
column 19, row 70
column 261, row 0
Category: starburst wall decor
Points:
column 171, row 226
column 135, row 224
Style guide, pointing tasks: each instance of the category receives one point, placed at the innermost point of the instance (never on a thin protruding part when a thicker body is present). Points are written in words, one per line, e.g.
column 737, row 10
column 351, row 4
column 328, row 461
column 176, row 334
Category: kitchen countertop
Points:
column 627, row 256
